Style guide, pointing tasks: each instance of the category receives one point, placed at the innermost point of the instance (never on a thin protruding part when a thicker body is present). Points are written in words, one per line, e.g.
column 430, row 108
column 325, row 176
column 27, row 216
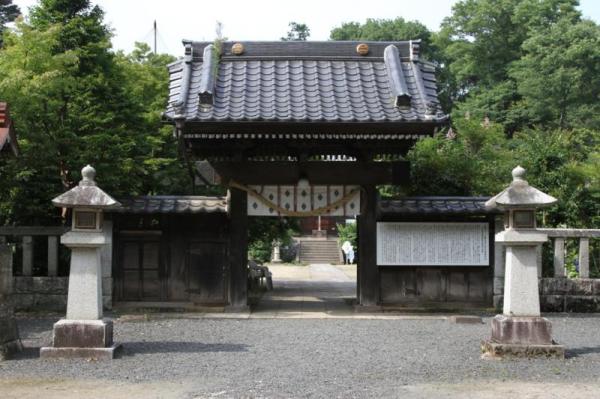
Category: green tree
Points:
column 76, row 102
column 8, row 13
column 385, row 30
column 297, row 32
column 558, row 77
column 146, row 82
column 481, row 40
column 476, row 161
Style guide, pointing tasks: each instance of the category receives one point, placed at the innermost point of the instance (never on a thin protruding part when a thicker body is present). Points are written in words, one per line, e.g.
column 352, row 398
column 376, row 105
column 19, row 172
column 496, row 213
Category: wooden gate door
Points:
column 206, row 268
column 141, row 268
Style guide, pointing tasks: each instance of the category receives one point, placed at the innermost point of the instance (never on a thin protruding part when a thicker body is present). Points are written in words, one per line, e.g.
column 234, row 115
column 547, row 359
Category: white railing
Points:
column 559, row 237
column 25, row 234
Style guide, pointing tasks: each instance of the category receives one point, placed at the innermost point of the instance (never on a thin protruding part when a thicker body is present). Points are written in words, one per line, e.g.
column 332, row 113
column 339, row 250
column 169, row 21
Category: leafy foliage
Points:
column 263, row 232
column 347, row 232
column 384, row 30
column 76, row 102
column 297, row 32
column 8, row 13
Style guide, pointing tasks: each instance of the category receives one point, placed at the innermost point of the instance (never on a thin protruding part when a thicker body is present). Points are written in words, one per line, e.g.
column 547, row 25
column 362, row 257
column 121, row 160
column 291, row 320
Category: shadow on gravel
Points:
column 586, row 350
column 27, row 353
column 135, row 348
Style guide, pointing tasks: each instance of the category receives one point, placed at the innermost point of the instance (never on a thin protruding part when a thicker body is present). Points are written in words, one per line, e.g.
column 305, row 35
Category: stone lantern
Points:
column 84, row 333
column 520, row 330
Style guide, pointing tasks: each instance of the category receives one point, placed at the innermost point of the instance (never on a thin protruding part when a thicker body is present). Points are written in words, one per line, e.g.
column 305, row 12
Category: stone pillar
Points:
column 106, row 254
column 52, row 256
column 559, row 257
column 498, row 265
column 9, row 333
column 84, row 333
column 238, row 251
column 521, row 293
column 85, row 281
column 368, row 273
column 584, row 257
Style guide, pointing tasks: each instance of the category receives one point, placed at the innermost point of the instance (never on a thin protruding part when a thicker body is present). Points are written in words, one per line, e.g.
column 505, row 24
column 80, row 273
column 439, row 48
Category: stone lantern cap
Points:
column 86, row 195
column 520, row 195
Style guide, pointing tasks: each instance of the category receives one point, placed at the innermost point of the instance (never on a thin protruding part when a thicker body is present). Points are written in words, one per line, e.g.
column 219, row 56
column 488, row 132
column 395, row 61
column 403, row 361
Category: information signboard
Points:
column 433, row 244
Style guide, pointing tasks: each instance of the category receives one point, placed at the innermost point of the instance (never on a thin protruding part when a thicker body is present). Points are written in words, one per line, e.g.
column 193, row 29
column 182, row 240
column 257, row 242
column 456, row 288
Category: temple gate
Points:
column 300, row 129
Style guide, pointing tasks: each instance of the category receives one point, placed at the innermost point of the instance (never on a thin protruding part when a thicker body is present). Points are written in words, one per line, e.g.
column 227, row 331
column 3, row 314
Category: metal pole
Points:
column 154, row 36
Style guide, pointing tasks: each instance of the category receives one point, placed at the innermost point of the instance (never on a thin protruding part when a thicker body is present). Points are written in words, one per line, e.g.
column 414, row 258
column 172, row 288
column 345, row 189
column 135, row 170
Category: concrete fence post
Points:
column 52, row 256
column 6, row 271
column 27, row 255
column 559, row 257
column 584, row 257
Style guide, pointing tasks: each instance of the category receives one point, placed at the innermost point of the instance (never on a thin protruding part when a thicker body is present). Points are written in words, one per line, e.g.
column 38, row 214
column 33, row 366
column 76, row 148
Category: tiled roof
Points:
column 304, row 82
column 435, row 205
column 173, row 204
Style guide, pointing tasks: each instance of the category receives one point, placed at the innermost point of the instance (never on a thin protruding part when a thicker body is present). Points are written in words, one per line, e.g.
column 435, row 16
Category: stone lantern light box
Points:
column 84, row 332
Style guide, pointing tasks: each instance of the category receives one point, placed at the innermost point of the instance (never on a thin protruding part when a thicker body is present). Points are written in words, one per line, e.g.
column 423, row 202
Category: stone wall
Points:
column 49, row 294
column 561, row 294
column 581, row 295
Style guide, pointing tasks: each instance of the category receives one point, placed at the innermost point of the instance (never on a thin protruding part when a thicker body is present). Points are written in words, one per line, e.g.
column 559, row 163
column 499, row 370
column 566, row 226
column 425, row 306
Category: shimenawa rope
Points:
column 286, row 212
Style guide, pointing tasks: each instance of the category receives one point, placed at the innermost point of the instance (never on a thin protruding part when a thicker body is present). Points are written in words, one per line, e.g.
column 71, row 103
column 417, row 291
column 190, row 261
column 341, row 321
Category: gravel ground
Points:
column 344, row 358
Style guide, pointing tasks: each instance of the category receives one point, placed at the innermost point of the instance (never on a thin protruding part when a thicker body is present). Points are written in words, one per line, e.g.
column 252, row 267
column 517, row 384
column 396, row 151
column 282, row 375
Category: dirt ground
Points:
column 101, row 389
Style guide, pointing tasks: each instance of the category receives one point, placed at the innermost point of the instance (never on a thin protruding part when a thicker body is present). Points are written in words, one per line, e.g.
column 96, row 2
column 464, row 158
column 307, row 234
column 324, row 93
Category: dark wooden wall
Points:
column 434, row 286
column 171, row 258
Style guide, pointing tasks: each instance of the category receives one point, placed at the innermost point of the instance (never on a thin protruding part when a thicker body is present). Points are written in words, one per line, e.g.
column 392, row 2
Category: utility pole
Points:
column 155, row 33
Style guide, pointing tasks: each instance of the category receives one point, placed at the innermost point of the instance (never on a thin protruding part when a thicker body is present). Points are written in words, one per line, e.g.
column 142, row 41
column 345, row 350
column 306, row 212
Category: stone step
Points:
column 319, row 251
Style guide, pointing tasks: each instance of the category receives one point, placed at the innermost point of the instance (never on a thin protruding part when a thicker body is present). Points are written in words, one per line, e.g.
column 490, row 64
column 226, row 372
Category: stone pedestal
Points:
column 522, row 337
column 82, row 339
column 9, row 333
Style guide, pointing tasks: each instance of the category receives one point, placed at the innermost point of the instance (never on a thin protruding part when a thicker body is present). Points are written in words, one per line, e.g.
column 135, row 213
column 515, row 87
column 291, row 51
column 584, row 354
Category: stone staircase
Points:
column 319, row 250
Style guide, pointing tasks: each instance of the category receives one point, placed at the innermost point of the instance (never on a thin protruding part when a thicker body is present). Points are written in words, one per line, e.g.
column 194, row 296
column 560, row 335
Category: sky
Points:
column 132, row 20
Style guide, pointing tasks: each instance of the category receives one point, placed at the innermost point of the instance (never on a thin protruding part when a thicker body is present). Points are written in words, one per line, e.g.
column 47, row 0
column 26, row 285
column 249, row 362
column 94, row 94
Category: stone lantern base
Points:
column 82, row 339
column 9, row 334
column 514, row 336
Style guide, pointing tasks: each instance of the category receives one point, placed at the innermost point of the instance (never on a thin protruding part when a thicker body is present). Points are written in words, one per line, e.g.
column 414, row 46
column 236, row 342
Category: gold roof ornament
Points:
column 362, row 49
column 237, row 49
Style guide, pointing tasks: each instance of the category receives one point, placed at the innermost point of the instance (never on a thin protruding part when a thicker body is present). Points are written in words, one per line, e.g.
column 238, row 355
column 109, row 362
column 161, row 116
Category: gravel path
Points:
column 330, row 358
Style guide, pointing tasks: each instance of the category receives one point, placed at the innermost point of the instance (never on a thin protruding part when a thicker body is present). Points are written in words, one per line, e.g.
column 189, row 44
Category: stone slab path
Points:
column 316, row 291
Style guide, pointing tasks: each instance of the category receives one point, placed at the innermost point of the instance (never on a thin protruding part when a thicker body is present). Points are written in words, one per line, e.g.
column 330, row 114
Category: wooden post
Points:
column 52, row 256
column 368, row 280
column 559, row 257
column 584, row 257
column 238, row 250
column 27, row 255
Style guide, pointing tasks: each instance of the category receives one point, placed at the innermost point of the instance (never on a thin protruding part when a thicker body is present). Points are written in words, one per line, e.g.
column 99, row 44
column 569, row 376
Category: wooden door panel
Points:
column 140, row 271
column 206, row 272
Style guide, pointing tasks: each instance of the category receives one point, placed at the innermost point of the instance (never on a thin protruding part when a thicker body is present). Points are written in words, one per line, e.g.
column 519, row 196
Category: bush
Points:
column 263, row 231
